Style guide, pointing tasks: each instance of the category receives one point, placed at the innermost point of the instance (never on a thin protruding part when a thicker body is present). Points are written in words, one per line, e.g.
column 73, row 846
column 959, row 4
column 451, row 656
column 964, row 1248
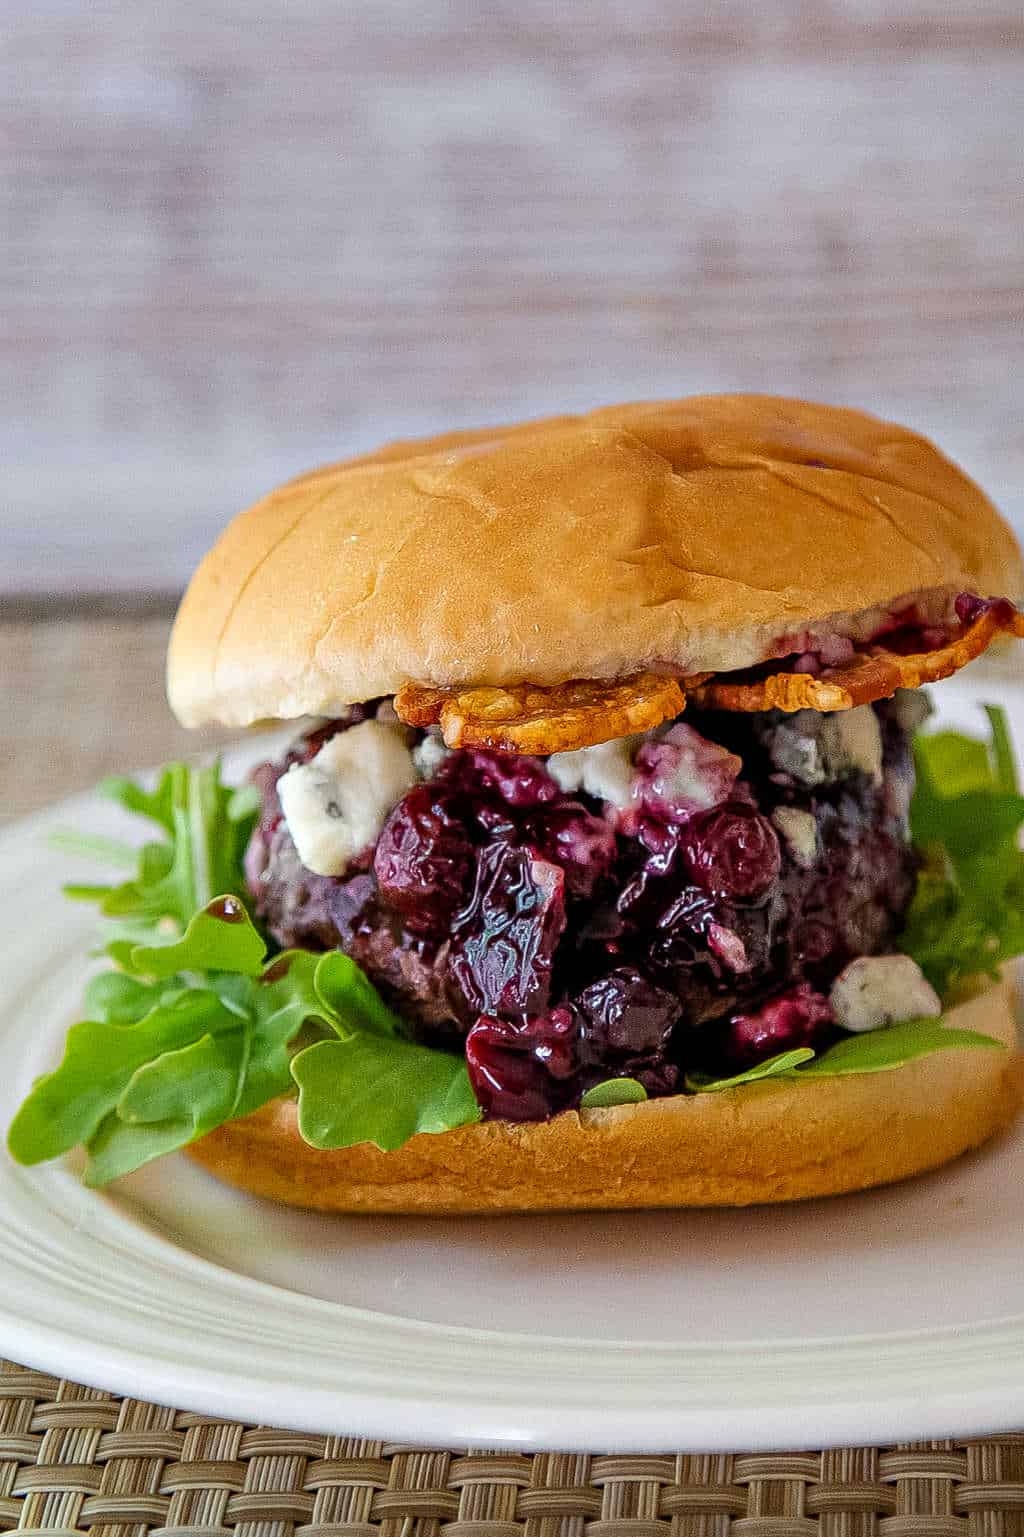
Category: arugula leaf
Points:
column 614, row 1091
column 66, row 1106
column 157, row 805
column 238, row 1065
column 199, row 1056
column 198, row 1030
column 117, row 1148
column 116, row 999
column 371, row 1084
column 967, row 917
column 952, row 762
column 384, row 1091
column 220, row 937
column 876, row 1051
column 84, row 891
column 207, row 826
column 196, row 1027
column 349, row 995
column 781, row 1066
column 260, row 1021
column 110, row 851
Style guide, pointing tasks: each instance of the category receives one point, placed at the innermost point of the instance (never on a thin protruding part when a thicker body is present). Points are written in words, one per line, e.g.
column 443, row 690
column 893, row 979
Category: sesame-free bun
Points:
column 695, row 534
column 773, row 1141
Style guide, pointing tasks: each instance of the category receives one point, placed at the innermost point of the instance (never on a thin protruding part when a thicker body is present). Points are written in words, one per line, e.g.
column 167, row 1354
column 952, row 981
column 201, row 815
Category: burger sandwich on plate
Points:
column 612, row 862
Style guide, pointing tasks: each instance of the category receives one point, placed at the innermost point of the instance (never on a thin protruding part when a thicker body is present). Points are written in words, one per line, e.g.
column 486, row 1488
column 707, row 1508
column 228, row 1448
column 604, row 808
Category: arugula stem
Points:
column 1002, row 749
column 109, row 851
column 200, row 847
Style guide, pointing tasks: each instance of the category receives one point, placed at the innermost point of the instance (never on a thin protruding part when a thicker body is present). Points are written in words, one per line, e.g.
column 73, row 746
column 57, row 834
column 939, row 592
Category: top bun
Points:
column 702, row 535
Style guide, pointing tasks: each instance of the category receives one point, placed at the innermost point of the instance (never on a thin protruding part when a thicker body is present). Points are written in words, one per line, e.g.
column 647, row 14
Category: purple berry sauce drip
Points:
column 559, row 941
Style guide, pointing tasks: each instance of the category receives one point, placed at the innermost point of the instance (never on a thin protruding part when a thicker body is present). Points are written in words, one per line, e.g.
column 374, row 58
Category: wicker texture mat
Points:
column 74, row 1459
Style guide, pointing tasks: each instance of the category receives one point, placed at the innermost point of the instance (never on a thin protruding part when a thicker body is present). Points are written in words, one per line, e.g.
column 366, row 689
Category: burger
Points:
column 610, row 862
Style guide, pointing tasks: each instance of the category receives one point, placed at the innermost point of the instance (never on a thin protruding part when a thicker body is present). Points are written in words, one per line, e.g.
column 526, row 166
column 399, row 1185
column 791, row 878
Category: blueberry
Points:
column 424, row 860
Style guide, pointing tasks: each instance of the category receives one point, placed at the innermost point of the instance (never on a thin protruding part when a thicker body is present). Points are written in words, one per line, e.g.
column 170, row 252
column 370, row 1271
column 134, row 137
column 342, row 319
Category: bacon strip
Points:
column 524, row 718
column 418, row 705
column 875, row 673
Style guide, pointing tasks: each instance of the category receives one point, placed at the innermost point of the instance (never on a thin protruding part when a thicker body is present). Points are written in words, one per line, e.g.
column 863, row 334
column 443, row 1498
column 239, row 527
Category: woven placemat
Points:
column 76, row 1459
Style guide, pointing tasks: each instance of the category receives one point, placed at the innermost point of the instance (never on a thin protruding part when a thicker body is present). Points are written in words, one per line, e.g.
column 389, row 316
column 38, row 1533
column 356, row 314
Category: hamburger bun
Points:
column 779, row 1140
column 693, row 535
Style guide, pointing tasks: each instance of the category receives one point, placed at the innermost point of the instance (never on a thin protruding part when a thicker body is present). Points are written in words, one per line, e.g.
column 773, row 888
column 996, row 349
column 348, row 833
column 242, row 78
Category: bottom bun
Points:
column 773, row 1141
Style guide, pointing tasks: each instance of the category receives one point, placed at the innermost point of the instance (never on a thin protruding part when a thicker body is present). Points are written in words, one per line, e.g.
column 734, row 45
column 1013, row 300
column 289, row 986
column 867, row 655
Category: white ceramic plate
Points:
column 893, row 1314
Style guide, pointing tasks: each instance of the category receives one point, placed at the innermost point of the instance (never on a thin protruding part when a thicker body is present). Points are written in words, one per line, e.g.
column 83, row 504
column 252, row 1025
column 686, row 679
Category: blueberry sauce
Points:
column 790, row 1020
column 559, row 940
column 905, row 631
column 969, row 608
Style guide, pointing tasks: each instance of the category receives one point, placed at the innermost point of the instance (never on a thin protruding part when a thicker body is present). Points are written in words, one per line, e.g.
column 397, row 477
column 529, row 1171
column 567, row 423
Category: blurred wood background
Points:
column 240, row 239
column 83, row 697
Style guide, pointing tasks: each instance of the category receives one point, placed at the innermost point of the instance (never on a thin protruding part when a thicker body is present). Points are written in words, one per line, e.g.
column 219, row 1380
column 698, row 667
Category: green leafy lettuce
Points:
column 876, row 1051
column 614, row 1091
column 206, row 826
column 967, row 918
column 782, row 1066
column 197, row 1024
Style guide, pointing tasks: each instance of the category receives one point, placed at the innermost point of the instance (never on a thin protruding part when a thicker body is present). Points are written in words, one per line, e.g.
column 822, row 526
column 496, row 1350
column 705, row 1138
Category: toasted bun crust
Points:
column 779, row 1141
column 694, row 534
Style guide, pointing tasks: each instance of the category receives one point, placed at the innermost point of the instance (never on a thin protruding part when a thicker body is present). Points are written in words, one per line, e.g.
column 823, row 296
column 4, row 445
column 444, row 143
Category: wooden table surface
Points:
column 80, row 698
column 239, row 240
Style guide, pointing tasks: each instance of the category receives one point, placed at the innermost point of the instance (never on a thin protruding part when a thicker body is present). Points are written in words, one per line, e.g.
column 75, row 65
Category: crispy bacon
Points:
column 418, row 705
column 875, row 673
column 524, row 718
